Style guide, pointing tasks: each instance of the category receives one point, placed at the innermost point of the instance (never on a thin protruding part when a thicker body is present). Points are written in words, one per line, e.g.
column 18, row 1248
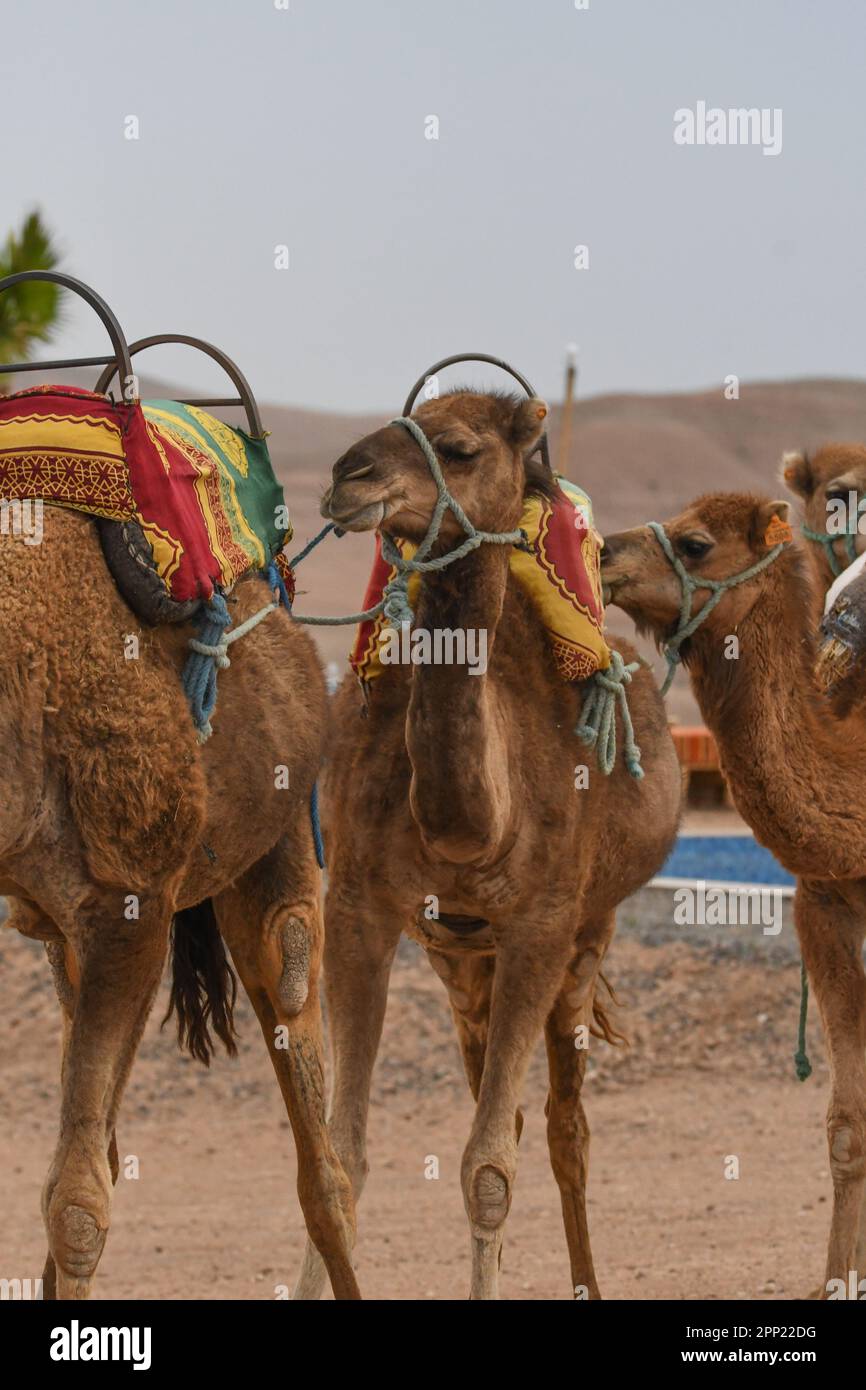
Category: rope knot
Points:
column 218, row 652
column 395, row 601
column 597, row 725
column 209, row 654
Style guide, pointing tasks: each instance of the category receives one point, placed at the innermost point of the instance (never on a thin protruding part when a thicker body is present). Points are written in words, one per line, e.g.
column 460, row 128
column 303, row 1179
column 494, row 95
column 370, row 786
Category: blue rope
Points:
column 302, row 555
column 275, row 581
column 200, row 672
column 200, row 677
column 209, row 653
column 317, row 828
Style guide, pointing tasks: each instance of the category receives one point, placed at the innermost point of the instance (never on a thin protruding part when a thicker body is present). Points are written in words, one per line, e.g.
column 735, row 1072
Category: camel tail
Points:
column 601, row 1026
column 203, row 987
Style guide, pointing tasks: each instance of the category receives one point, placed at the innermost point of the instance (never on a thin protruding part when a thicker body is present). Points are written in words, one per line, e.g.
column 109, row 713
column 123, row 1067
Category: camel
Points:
column 795, row 769
column 458, row 791
column 819, row 480
column 116, row 823
column 834, row 476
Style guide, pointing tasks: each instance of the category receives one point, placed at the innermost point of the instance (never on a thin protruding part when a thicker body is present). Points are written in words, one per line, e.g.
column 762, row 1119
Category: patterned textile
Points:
column 561, row 575
column 203, row 492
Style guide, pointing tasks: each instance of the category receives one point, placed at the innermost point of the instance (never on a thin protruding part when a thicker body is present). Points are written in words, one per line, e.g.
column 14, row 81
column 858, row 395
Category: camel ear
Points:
column 770, row 525
column 528, row 422
column 796, row 473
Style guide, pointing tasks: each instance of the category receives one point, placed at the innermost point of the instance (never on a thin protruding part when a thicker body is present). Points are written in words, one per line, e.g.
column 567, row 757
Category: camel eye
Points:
column 839, row 494
column 694, row 547
column 457, row 445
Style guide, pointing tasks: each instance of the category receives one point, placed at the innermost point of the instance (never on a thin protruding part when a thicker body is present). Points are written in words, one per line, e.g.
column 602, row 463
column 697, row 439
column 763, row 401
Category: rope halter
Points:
column 395, row 600
column 605, row 690
column 828, row 541
column 394, row 603
column 689, row 584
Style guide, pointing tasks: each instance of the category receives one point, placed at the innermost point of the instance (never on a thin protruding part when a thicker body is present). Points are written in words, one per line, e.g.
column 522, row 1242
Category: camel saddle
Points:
column 559, row 569
column 185, row 504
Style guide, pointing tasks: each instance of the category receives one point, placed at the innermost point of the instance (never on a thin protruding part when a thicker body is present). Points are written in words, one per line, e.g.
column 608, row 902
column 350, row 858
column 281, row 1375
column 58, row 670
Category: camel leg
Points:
column 359, row 952
column 120, row 964
column 831, row 939
column 530, row 964
column 469, row 981
column 272, row 921
column 64, row 970
column 567, row 1127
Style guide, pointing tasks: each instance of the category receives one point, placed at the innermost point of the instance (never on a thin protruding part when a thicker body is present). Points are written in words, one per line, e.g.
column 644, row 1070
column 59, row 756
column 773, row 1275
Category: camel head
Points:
column 825, row 482
column 717, row 537
column 482, row 442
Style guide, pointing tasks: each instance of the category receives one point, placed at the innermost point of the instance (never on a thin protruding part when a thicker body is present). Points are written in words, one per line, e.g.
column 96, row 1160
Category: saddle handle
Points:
column 120, row 362
column 540, row 448
column 244, row 398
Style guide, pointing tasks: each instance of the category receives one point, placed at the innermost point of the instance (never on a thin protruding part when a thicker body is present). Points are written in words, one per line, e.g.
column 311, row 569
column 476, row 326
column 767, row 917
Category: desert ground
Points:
column 711, row 1015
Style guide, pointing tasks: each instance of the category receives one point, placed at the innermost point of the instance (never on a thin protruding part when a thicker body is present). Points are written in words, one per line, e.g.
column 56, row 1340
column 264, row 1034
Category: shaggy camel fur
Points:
column 458, row 790
column 115, row 822
column 796, row 773
column 837, row 472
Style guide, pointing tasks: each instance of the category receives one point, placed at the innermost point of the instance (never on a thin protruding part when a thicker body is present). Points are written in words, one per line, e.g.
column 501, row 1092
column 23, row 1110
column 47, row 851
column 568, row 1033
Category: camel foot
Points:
column 77, row 1243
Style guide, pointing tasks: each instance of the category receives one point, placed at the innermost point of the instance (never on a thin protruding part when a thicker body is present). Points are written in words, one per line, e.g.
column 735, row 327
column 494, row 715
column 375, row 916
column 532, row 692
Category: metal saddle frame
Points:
column 124, row 545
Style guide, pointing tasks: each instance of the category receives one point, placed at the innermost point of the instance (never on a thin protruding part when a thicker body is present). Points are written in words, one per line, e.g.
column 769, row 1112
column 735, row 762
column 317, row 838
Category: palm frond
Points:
column 29, row 312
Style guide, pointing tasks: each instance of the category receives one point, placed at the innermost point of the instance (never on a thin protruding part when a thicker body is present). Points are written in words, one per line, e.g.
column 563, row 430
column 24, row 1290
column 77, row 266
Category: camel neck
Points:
column 453, row 737
column 795, row 770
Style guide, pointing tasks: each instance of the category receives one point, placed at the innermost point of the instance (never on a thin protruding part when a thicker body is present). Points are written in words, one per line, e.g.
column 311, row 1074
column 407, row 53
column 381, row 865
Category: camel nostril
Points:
column 357, row 463
column 606, row 553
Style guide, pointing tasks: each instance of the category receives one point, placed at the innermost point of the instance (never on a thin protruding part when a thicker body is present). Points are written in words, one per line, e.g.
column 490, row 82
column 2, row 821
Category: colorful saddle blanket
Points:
column 203, row 493
column 561, row 574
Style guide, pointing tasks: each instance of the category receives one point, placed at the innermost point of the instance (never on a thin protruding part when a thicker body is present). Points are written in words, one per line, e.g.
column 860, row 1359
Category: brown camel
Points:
column 795, row 769
column 451, row 813
column 819, row 480
column 835, row 475
column 116, row 823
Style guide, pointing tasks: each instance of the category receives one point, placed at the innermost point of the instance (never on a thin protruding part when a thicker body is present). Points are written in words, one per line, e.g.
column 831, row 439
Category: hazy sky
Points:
column 305, row 127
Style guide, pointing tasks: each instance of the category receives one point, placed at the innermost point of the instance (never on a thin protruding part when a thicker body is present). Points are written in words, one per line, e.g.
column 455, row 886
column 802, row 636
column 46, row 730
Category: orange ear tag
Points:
column 778, row 532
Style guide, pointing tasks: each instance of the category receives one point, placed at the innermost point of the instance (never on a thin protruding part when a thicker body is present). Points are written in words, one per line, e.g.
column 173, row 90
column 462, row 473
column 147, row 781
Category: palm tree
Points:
column 29, row 312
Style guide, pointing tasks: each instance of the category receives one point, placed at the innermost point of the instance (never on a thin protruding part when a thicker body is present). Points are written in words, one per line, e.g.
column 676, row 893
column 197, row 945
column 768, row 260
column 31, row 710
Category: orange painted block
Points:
column 696, row 748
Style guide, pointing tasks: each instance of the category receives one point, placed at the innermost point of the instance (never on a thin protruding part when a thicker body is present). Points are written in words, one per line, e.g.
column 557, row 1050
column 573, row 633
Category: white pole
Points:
column 571, row 355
